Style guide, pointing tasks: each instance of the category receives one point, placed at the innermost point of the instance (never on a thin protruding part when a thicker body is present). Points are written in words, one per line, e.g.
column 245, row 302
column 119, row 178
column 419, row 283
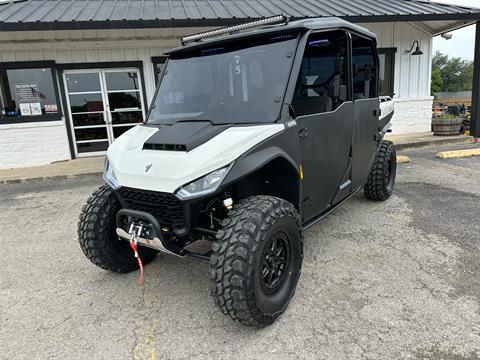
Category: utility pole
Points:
column 475, row 119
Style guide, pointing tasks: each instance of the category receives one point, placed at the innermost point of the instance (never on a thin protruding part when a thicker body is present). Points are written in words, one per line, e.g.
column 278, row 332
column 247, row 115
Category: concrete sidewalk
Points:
column 64, row 169
column 415, row 140
column 85, row 166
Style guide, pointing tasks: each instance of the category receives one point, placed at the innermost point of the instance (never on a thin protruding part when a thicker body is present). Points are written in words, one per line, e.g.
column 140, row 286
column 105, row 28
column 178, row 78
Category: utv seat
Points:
column 312, row 105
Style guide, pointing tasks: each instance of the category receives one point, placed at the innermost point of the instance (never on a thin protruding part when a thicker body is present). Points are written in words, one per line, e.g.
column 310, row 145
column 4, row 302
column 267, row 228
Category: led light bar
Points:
column 277, row 19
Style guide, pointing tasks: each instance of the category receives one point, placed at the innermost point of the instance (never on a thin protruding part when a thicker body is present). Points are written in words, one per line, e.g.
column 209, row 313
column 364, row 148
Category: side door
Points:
column 367, row 107
column 325, row 119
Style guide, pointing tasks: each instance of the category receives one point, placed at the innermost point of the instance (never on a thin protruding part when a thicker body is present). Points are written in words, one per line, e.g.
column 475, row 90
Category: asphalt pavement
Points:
column 392, row 280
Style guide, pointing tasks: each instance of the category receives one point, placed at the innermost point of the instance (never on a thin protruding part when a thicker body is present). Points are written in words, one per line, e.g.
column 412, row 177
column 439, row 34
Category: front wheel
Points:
column 98, row 238
column 256, row 260
column 381, row 179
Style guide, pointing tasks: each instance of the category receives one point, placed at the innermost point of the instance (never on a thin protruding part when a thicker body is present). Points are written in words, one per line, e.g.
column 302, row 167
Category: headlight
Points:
column 109, row 175
column 205, row 185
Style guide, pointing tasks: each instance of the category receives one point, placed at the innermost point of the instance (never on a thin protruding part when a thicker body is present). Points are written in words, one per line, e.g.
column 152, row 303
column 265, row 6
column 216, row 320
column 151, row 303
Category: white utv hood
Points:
column 166, row 171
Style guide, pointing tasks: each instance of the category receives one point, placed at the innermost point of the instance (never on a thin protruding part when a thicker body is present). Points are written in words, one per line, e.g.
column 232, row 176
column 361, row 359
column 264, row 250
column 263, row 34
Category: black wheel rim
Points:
column 275, row 261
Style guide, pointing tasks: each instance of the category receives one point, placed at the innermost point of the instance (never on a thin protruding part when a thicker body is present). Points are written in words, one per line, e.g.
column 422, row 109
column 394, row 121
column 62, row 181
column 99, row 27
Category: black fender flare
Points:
column 254, row 160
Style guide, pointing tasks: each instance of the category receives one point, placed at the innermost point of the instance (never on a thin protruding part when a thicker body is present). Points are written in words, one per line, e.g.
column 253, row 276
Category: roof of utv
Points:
column 305, row 25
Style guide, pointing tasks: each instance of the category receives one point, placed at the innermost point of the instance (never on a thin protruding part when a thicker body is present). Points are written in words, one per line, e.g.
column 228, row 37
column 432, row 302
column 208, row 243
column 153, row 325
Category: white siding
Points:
column 413, row 107
column 412, row 73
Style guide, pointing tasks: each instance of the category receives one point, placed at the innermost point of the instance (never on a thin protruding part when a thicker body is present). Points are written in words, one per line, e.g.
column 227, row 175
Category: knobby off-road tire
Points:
column 97, row 236
column 381, row 179
column 257, row 235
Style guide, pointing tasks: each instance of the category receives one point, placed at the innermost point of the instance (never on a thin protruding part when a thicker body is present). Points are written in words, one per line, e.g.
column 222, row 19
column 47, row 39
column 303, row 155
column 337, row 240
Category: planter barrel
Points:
column 444, row 127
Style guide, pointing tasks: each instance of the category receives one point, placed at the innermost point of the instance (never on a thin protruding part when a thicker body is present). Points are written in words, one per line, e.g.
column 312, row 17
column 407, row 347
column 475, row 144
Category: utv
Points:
column 251, row 138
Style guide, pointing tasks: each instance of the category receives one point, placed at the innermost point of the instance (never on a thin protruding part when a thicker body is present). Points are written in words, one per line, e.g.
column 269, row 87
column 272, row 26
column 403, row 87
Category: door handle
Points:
column 303, row 133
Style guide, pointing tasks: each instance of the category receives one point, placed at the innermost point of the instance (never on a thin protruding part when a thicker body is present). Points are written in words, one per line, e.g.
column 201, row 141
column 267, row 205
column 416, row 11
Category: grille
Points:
column 165, row 207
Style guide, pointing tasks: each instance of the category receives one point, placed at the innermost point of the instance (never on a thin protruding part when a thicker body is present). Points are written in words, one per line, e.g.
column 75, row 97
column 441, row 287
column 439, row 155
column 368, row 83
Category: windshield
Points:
column 240, row 81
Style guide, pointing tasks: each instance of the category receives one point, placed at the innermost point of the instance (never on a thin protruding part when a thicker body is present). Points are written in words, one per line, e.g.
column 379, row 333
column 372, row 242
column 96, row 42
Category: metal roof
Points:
column 97, row 14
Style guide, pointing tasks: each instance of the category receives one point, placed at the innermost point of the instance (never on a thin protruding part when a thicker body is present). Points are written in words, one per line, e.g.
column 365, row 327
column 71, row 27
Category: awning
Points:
column 17, row 15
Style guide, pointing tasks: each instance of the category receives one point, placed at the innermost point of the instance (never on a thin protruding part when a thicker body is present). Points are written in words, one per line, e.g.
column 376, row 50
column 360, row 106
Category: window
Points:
column 364, row 68
column 28, row 94
column 322, row 81
column 226, row 83
column 386, row 71
column 158, row 63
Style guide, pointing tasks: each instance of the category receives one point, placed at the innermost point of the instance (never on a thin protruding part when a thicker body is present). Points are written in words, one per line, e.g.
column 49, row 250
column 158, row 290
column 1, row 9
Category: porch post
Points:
column 475, row 122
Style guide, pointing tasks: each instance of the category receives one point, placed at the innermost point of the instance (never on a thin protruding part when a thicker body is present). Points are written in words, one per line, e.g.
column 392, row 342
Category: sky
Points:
column 463, row 42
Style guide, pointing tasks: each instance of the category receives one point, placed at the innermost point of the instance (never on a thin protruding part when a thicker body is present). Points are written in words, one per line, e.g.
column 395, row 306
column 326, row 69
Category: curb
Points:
column 458, row 153
column 53, row 177
column 402, row 159
column 419, row 144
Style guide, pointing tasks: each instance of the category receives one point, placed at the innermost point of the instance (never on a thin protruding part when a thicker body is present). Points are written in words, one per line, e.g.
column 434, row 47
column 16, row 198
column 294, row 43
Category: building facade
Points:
column 68, row 93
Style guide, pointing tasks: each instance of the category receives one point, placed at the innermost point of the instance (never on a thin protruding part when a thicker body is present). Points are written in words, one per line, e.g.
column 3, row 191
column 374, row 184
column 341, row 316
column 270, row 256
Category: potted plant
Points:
column 447, row 124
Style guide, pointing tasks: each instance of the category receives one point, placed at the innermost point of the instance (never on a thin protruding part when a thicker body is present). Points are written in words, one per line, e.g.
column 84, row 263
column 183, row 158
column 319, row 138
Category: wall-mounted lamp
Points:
column 417, row 50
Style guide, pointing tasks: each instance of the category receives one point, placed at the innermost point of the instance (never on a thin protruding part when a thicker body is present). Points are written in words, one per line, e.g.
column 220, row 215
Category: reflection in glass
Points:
column 27, row 92
column 386, row 72
column 91, row 134
column 127, row 117
column 92, row 147
column 86, row 103
column 124, row 100
column 117, row 131
column 83, row 82
column 88, row 119
column 235, row 82
column 122, row 80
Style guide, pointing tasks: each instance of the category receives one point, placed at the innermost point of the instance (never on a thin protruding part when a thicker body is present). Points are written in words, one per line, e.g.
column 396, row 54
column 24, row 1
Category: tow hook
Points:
column 135, row 232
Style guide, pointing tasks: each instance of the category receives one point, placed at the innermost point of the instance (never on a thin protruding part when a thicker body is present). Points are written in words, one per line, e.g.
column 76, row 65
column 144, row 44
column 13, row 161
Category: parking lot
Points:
column 393, row 280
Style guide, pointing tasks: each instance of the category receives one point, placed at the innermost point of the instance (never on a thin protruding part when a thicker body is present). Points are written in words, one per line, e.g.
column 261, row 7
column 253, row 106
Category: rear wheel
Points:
column 98, row 238
column 256, row 260
column 381, row 179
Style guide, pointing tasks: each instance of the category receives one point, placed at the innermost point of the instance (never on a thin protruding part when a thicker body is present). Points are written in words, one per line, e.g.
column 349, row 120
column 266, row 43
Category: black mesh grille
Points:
column 166, row 208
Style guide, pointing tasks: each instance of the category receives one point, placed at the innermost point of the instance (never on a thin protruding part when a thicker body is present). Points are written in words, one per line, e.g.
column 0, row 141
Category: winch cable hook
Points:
column 133, row 245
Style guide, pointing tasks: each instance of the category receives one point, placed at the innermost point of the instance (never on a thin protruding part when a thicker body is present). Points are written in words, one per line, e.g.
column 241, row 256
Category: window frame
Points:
column 375, row 59
column 19, row 65
column 392, row 52
column 94, row 65
column 295, row 70
column 155, row 61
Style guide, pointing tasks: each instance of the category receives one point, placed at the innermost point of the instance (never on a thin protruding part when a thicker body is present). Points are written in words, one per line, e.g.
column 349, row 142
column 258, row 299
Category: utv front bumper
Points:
column 168, row 211
column 151, row 235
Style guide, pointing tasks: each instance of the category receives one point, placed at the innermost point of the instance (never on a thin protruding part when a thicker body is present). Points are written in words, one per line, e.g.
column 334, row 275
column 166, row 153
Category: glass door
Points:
column 125, row 100
column 86, row 105
column 103, row 104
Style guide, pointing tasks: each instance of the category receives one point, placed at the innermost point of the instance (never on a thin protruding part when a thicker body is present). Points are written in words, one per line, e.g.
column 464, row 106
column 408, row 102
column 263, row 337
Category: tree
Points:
column 451, row 74
column 437, row 81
